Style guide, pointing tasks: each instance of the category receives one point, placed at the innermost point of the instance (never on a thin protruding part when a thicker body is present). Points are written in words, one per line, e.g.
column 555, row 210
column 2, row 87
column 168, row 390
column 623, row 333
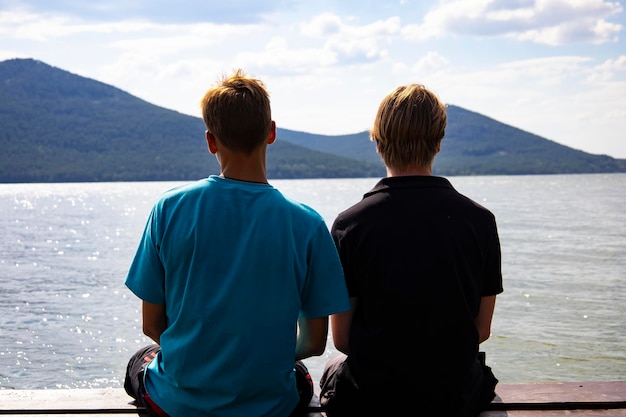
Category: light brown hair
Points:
column 409, row 127
column 237, row 111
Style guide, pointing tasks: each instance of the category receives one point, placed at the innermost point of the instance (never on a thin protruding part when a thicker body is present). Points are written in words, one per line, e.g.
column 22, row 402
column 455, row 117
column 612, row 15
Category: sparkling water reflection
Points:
column 66, row 319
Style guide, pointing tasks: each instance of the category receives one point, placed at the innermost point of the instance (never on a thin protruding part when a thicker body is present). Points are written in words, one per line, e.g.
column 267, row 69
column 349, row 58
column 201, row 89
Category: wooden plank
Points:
column 559, row 399
column 106, row 401
column 97, row 402
column 561, row 395
column 76, row 402
column 616, row 412
column 553, row 399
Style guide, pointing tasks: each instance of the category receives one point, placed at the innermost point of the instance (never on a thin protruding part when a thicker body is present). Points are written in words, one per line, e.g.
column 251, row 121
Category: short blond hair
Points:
column 409, row 127
column 237, row 111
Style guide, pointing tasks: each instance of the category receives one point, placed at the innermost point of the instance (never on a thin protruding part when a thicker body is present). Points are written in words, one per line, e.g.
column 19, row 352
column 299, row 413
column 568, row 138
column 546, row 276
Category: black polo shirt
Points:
column 418, row 256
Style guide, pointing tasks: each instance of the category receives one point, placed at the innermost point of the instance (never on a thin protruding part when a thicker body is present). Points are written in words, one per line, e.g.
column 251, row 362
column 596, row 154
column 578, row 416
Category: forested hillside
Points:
column 56, row 126
column 477, row 145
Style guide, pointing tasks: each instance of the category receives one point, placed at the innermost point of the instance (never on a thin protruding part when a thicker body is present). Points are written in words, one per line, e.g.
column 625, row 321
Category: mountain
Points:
column 478, row 145
column 56, row 126
column 59, row 127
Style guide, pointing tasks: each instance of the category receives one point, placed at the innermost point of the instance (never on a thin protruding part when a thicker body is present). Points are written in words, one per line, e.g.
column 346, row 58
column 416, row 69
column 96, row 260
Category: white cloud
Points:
column 161, row 11
column 551, row 22
column 431, row 61
column 325, row 24
column 278, row 56
column 352, row 43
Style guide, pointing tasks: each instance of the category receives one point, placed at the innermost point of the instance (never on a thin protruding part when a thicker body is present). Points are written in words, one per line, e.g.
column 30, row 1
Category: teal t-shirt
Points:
column 235, row 264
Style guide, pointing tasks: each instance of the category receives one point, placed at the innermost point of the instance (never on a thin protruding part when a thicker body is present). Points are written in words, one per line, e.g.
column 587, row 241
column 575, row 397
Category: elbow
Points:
column 341, row 347
column 341, row 344
column 311, row 337
column 311, row 348
column 318, row 348
column 152, row 333
column 483, row 334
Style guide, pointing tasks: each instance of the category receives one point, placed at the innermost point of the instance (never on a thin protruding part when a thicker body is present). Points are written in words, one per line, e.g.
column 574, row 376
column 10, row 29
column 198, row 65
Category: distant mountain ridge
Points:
column 56, row 126
column 478, row 145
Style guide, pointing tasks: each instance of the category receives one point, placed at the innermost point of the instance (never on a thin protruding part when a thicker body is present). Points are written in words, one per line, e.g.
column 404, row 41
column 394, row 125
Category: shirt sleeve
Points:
column 325, row 289
column 146, row 275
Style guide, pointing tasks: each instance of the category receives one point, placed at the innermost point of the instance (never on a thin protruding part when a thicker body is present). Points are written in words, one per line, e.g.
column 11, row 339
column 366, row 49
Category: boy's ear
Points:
column 210, row 140
column 272, row 136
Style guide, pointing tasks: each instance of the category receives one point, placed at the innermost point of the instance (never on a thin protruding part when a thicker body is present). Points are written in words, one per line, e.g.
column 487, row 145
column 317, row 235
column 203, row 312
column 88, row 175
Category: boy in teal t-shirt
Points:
column 236, row 280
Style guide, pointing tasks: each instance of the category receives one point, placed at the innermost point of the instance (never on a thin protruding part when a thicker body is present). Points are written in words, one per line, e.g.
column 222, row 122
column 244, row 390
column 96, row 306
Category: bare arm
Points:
column 485, row 315
column 154, row 320
column 340, row 326
column 312, row 334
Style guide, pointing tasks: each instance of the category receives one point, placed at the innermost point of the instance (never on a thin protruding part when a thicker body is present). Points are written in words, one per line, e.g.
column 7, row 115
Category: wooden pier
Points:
column 551, row 399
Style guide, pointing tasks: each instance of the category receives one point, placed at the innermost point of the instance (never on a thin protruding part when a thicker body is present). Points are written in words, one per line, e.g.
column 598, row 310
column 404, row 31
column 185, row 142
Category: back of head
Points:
column 409, row 127
column 237, row 111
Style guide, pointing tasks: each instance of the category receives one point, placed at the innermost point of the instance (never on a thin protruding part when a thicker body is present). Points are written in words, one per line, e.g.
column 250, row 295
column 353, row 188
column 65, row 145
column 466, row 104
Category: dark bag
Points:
column 304, row 382
column 340, row 395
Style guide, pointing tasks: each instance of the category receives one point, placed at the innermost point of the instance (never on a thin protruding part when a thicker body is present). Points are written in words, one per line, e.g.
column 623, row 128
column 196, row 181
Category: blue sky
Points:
column 556, row 68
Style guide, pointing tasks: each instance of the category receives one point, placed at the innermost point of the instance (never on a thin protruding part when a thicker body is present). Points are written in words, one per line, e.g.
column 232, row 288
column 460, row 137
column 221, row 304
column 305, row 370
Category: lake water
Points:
column 68, row 321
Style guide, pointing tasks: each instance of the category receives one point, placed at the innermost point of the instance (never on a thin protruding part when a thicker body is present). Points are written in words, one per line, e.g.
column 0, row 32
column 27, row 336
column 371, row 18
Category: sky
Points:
column 555, row 68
